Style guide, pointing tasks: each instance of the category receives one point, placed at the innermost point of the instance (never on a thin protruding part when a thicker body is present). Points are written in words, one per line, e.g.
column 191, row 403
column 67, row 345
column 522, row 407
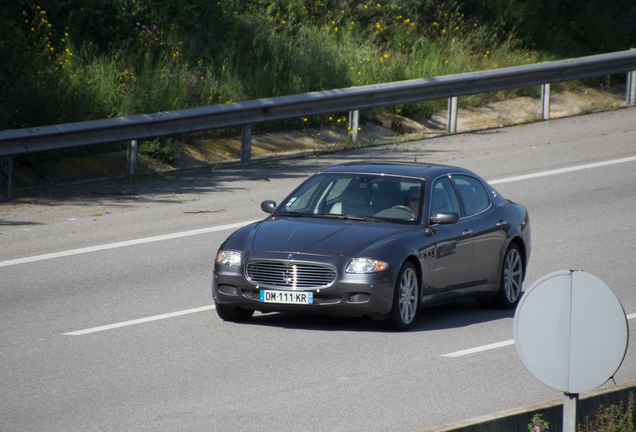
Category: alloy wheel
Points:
column 512, row 275
column 408, row 296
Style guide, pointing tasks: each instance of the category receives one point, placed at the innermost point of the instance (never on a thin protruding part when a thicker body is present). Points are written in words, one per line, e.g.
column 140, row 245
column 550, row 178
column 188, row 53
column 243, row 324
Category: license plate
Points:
column 287, row 297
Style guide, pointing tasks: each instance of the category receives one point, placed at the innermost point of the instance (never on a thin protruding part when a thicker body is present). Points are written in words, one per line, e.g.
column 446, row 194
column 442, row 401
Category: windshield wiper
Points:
column 350, row 217
column 292, row 214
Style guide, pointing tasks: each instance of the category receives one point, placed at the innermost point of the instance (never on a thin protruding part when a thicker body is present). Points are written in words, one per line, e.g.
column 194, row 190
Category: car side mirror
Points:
column 445, row 218
column 268, row 206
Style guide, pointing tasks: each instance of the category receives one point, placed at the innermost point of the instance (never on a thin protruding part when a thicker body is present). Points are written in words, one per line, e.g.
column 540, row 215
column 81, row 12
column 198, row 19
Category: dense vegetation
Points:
column 73, row 60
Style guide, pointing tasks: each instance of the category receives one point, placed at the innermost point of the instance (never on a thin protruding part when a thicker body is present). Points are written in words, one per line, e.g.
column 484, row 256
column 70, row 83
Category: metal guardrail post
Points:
column 6, row 166
column 631, row 88
column 452, row 114
column 132, row 161
column 1, row 174
column 246, row 145
column 353, row 124
column 545, row 101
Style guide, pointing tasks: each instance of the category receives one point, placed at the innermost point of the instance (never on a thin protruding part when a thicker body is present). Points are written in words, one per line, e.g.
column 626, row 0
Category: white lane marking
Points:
column 122, row 244
column 496, row 345
column 480, row 348
column 139, row 321
column 563, row 170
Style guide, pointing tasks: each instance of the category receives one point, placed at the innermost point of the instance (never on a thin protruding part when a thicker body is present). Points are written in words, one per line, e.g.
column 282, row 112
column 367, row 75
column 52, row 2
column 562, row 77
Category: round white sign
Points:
column 571, row 331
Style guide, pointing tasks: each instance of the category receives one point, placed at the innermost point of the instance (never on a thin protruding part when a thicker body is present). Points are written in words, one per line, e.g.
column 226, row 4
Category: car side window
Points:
column 472, row 193
column 443, row 198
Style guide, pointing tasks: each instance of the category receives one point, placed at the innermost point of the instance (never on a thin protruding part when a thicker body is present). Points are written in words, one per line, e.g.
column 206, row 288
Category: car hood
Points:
column 319, row 236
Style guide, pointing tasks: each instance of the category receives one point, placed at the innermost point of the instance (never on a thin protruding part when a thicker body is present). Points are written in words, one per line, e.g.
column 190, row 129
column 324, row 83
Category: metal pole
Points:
column 7, row 162
column 545, row 101
column 353, row 124
column 452, row 114
column 246, row 145
column 569, row 411
column 631, row 88
column 1, row 174
column 133, row 152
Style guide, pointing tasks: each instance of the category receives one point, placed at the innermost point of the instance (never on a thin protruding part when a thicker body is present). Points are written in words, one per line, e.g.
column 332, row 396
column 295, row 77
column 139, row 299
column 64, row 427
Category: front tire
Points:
column 511, row 279
column 233, row 314
column 406, row 300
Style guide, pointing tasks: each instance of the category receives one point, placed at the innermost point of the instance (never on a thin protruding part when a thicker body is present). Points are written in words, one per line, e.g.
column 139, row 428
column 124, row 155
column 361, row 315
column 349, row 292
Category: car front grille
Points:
column 290, row 275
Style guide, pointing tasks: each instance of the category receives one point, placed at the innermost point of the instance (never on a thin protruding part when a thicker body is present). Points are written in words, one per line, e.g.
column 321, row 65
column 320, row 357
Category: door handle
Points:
column 502, row 222
column 467, row 232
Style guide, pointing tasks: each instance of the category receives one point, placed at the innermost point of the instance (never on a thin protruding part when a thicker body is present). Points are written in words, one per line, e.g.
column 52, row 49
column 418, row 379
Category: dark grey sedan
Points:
column 376, row 239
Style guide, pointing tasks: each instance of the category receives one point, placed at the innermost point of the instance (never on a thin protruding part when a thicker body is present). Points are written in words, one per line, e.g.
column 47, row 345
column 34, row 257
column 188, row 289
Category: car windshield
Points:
column 357, row 197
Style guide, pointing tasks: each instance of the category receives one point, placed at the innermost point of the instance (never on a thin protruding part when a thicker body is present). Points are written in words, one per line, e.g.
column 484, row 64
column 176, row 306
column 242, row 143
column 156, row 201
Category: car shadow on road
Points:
column 453, row 315
column 19, row 223
column 459, row 314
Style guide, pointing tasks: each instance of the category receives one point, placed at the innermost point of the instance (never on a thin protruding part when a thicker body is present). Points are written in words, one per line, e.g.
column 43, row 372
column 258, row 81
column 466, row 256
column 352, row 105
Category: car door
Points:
column 489, row 231
column 453, row 243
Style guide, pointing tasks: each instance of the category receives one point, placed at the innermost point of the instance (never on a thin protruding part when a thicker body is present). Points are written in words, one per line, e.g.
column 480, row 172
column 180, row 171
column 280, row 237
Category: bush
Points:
column 161, row 149
column 537, row 424
column 612, row 419
column 75, row 60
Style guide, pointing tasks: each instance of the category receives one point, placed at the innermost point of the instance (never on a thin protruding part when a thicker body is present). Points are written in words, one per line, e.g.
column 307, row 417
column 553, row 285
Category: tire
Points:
column 510, row 280
column 234, row 314
column 406, row 300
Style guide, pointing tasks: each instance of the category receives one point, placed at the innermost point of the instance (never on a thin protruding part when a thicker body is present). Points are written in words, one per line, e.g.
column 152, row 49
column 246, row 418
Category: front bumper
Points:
column 349, row 294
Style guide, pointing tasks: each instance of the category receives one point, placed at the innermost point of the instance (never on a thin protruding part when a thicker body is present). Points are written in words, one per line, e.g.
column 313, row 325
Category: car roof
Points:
column 407, row 169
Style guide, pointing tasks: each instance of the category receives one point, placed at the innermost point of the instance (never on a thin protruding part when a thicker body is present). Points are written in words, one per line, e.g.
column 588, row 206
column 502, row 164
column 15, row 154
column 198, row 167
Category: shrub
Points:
column 613, row 419
column 161, row 149
column 537, row 424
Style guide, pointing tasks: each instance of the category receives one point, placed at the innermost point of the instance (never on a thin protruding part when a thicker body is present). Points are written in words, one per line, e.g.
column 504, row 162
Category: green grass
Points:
column 75, row 60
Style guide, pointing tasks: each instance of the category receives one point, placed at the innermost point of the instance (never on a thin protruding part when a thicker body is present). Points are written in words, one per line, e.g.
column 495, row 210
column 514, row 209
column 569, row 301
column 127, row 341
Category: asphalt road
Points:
column 105, row 305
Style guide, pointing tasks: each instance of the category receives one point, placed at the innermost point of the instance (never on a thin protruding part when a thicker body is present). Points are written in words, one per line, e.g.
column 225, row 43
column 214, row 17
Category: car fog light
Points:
column 228, row 290
column 365, row 265
column 359, row 298
column 229, row 258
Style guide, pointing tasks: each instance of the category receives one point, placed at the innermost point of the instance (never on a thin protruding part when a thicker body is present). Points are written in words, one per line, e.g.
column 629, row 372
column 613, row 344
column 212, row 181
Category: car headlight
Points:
column 229, row 258
column 365, row 265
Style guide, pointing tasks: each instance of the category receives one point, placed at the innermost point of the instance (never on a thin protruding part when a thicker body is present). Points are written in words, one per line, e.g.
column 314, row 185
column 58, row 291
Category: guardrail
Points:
column 150, row 126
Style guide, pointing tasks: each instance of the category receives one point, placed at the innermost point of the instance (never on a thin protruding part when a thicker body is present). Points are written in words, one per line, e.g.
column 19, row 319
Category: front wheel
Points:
column 406, row 300
column 511, row 279
column 234, row 314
